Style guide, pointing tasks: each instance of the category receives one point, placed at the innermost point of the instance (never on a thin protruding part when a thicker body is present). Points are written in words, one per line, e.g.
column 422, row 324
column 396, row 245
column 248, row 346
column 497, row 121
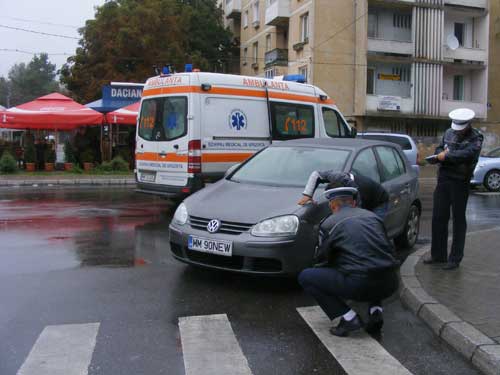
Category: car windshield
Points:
column 289, row 166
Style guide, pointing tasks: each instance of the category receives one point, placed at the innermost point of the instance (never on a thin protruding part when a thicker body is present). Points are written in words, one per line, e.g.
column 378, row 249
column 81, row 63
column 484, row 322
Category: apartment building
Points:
column 392, row 65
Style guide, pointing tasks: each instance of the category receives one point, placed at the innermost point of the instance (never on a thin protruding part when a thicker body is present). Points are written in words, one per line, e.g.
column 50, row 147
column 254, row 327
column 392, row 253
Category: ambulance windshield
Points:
column 289, row 166
column 163, row 119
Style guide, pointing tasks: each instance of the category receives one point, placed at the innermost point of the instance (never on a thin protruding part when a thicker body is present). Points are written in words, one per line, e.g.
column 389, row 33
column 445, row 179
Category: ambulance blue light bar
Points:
column 188, row 68
column 165, row 70
column 299, row 78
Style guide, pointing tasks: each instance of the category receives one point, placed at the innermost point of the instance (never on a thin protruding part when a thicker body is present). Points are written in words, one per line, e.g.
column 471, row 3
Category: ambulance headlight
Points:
column 277, row 226
column 181, row 215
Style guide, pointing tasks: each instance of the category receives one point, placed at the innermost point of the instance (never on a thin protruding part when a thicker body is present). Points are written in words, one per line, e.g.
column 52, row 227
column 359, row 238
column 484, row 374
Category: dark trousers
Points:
column 449, row 194
column 330, row 288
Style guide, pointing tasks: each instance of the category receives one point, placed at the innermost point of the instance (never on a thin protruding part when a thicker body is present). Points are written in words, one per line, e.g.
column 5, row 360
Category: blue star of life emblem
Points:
column 238, row 120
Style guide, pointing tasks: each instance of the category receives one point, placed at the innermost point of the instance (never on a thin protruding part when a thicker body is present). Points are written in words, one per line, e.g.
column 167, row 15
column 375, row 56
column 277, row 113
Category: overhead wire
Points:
column 38, row 32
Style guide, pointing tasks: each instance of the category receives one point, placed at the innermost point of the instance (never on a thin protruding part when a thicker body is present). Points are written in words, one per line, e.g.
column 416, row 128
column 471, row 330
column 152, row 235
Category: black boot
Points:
column 451, row 266
column 347, row 326
column 375, row 322
column 429, row 260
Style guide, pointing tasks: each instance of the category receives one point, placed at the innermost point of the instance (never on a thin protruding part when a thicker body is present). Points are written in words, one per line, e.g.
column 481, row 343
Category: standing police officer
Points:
column 354, row 261
column 457, row 156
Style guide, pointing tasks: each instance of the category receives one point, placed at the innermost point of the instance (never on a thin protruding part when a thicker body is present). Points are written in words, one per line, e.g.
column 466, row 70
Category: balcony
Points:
column 389, row 104
column 390, row 46
column 468, row 3
column 233, row 8
column 276, row 57
column 449, row 105
column 468, row 54
column 277, row 12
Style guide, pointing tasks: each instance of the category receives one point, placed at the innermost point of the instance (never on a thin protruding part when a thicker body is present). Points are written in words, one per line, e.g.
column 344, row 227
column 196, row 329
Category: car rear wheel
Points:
column 492, row 180
column 408, row 238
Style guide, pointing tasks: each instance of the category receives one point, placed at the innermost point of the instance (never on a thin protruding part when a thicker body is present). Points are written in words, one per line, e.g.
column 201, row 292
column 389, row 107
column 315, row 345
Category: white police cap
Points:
column 460, row 118
column 350, row 192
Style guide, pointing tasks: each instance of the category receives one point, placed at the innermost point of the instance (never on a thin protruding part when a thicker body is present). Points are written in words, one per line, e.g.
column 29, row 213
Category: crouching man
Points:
column 354, row 262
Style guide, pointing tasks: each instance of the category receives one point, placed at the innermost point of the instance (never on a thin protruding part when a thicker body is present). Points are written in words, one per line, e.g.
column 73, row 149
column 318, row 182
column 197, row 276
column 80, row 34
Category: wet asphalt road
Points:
column 102, row 255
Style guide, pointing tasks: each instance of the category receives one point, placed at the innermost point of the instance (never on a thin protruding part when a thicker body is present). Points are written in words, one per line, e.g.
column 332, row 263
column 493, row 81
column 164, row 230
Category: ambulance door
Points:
column 146, row 149
column 233, row 129
column 333, row 125
column 173, row 143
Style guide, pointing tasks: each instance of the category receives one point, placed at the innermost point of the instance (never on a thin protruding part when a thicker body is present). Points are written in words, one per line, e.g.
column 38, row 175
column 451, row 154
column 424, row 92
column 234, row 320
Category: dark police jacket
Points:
column 463, row 154
column 354, row 241
column 372, row 193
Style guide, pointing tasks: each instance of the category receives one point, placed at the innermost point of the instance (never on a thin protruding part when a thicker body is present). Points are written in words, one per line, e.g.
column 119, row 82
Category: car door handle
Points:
column 162, row 154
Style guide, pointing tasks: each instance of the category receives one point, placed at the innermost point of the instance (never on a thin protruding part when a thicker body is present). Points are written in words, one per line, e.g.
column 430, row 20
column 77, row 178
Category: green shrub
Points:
column 105, row 166
column 29, row 153
column 7, row 163
column 50, row 155
column 119, row 165
column 87, row 156
column 69, row 152
column 76, row 169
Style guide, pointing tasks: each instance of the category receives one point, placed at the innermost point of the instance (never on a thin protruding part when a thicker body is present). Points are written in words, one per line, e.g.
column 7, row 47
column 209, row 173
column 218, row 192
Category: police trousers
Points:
column 452, row 194
column 330, row 288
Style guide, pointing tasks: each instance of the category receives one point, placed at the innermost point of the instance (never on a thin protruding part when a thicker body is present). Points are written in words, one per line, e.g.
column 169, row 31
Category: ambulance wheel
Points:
column 492, row 180
column 408, row 238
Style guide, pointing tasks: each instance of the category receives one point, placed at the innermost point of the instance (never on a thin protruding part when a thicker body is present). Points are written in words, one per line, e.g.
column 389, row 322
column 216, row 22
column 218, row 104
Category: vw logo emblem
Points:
column 213, row 225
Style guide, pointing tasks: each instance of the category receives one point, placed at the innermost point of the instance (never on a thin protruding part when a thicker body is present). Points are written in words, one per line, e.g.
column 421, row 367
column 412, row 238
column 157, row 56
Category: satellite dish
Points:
column 452, row 42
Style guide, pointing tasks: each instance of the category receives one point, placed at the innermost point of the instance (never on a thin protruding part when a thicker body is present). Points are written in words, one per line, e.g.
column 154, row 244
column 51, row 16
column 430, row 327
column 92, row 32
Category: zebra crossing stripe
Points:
column 62, row 350
column 210, row 347
column 359, row 354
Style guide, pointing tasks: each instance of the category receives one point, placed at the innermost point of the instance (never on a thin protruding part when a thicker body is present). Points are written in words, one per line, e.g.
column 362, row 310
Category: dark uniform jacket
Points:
column 371, row 192
column 354, row 241
column 463, row 154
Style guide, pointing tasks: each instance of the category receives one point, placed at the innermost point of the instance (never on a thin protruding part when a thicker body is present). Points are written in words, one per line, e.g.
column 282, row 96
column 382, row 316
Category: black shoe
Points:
column 375, row 322
column 451, row 266
column 345, row 327
column 429, row 260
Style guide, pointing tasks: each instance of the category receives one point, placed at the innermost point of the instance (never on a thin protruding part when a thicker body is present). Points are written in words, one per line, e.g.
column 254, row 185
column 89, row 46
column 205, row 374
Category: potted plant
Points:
column 69, row 156
column 87, row 157
column 30, row 157
column 50, row 159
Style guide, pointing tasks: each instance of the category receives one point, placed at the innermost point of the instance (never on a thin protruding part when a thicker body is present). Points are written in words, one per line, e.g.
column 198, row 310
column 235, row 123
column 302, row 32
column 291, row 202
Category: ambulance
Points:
column 193, row 126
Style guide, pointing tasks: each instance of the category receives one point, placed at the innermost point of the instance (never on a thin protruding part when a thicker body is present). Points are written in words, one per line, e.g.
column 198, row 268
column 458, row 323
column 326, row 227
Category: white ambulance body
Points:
column 193, row 126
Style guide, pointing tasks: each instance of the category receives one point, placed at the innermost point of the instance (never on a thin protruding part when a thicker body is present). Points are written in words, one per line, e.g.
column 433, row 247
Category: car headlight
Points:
column 277, row 226
column 181, row 215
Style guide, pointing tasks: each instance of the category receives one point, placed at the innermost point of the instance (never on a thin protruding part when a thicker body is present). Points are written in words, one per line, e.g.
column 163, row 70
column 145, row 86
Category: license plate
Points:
column 206, row 245
column 147, row 176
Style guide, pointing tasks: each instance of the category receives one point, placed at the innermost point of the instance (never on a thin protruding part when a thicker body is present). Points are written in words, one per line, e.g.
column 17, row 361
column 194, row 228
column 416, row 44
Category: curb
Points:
column 475, row 346
column 68, row 182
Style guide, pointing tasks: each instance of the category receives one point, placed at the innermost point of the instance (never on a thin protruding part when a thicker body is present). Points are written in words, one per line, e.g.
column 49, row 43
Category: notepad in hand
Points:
column 431, row 159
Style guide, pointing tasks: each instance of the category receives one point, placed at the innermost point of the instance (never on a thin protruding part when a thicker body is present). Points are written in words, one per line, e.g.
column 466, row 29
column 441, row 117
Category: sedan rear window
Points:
column 401, row 141
column 289, row 166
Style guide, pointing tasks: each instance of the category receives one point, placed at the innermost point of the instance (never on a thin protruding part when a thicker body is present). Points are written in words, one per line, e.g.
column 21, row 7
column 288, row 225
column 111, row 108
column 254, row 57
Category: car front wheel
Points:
column 492, row 180
column 408, row 238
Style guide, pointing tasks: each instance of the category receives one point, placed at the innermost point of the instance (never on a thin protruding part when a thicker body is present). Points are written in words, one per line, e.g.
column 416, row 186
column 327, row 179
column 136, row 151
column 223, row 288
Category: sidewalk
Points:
column 65, row 179
column 462, row 306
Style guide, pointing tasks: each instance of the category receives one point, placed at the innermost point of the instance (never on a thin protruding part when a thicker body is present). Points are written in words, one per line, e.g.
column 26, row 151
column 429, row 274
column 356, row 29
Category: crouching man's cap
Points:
column 348, row 192
column 460, row 118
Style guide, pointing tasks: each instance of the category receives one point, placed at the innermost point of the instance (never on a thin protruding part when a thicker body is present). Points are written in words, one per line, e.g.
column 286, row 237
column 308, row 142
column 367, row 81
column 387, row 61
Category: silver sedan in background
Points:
column 487, row 171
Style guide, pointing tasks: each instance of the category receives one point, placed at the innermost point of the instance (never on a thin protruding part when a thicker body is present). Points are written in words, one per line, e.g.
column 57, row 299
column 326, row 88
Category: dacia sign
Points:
column 121, row 95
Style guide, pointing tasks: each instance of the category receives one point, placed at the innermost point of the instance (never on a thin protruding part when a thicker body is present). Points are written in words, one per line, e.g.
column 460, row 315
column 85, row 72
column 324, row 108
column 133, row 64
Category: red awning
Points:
column 126, row 115
column 53, row 111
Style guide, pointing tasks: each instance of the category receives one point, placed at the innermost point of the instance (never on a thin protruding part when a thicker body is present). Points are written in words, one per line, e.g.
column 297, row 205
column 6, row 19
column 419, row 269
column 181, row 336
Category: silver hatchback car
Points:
column 250, row 222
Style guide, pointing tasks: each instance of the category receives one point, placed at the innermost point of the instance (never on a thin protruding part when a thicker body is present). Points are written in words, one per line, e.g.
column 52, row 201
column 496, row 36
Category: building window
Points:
column 458, row 88
column 370, row 81
column 403, row 72
column 269, row 73
column 402, row 21
column 245, row 19
column 304, row 72
column 268, row 42
column 245, row 55
column 255, row 52
column 256, row 14
column 372, row 25
column 304, row 28
column 460, row 33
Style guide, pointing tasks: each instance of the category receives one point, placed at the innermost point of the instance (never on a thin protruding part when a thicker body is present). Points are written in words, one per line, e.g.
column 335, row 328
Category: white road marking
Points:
column 62, row 350
column 210, row 347
column 358, row 354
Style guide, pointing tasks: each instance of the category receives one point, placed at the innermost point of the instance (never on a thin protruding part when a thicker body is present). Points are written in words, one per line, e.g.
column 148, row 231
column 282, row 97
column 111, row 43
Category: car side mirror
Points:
column 354, row 132
column 231, row 169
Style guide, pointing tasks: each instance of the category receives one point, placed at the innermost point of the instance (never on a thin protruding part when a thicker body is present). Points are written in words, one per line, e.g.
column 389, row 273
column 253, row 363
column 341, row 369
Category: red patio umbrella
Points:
column 126, row 115
column 53, row 111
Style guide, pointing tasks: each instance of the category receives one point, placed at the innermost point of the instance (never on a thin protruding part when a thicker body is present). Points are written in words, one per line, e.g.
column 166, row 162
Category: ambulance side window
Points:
column 163, row 119
column 291, row 121
column 147, row 120
column 174, row 117
column 331, row 122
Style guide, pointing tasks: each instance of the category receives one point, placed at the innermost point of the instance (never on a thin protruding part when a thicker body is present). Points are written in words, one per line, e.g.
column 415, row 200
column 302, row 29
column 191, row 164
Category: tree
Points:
column 128, row 37
column 4, row 92
column 29, row 81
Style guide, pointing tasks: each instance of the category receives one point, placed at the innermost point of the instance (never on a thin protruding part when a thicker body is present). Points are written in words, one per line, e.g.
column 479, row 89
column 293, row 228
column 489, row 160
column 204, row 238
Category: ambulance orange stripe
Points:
column 224, row 158
column 234, row 92
column 153, row 156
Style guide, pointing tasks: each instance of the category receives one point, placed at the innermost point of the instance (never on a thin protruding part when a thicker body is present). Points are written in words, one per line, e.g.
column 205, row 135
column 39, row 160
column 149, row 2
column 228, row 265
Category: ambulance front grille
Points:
column 226, row 227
